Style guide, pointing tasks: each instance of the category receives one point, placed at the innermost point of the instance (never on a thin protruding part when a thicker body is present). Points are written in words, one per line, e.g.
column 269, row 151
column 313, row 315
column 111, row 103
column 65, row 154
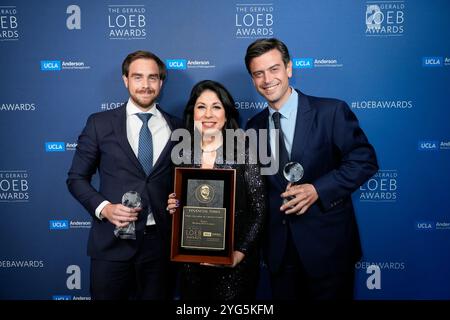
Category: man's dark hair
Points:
column 143, row 55
column 261, row 46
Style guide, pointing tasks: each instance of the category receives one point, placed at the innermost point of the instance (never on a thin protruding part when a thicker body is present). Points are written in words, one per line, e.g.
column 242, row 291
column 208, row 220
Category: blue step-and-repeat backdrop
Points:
column 390, row 60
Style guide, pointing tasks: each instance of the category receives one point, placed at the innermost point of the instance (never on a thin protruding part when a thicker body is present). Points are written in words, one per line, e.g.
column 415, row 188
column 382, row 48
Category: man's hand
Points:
column 304, row 196
column 120, row 215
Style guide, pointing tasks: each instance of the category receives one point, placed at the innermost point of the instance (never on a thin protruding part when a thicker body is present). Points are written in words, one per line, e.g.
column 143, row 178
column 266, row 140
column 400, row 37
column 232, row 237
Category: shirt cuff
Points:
column 98, row 211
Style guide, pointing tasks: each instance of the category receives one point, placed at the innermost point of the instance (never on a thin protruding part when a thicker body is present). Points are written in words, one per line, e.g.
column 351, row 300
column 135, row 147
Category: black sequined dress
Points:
column 224, row 283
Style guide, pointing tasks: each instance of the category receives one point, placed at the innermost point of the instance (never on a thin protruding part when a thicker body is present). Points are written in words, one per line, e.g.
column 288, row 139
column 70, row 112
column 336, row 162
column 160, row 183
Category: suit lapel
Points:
column 305, row 115
column 120, row 129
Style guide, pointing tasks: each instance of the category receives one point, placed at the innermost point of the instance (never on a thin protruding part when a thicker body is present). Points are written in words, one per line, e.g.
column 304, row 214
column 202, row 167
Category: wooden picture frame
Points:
column 203, row 224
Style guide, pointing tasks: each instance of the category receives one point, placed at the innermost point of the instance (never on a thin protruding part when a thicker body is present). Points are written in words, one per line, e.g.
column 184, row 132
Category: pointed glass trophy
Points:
column 293, row 173
column 130, row 199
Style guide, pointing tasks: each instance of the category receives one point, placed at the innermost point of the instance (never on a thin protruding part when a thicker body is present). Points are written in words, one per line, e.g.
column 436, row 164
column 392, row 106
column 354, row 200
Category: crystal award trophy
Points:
column 293, row 172
column 130, row 199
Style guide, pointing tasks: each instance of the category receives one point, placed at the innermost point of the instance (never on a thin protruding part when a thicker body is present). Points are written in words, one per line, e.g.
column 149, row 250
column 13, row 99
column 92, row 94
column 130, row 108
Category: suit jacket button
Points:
column 283, row 221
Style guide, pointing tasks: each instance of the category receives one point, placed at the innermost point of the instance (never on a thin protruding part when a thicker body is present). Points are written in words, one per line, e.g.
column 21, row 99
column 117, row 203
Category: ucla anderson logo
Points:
column 424, row 225
column 59, row 224
column 176, row 64
column 302, row 63
column 50, row 65
column 61, row 297
column 55, row 147
column 432, row 61
column 183, row 64
column 428, row 145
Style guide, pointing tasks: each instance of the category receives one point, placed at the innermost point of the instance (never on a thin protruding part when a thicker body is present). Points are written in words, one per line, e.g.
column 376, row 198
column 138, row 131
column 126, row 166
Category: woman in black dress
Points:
column 209, row 111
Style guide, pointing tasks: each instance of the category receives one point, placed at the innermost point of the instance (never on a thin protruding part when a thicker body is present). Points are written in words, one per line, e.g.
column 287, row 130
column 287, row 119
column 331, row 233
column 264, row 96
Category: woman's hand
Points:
column 172, row 203
column 237, row 258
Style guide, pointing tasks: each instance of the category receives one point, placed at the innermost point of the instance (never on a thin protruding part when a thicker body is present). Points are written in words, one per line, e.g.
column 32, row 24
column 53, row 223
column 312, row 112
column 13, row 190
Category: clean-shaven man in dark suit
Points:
column 130, row 148
column 312, row 241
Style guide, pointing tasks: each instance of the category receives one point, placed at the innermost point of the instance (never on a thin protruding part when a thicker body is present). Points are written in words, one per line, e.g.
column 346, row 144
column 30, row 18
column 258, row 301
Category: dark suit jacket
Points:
column 103, row 146
column 337, row 159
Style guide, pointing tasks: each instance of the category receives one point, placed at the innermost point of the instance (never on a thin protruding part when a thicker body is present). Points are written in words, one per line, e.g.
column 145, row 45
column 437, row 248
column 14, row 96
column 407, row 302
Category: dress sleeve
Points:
column 257, row 207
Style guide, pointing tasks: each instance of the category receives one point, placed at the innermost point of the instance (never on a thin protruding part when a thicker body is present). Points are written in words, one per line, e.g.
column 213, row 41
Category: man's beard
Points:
column 143, row 102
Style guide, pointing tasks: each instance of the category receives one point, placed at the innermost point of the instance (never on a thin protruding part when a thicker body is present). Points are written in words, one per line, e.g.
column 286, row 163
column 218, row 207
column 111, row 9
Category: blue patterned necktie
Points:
column 145, row 150
column 283, row 154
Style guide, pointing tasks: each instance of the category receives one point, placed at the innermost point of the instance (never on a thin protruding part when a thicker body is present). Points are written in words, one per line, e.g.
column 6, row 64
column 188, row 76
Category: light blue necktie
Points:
column 145, row 150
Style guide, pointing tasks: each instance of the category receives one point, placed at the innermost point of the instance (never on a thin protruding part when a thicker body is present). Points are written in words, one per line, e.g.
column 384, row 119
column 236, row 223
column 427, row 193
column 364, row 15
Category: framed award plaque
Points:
column 203, row 224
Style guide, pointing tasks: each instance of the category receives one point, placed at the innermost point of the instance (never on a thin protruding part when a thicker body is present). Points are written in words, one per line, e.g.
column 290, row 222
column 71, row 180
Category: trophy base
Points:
column 126, row 236
column 127, row 233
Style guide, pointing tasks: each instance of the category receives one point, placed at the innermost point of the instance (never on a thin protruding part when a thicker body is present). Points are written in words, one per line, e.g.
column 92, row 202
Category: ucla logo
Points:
column 428, row 145
column 424, row 225
column 432, row 61
column 303, row 63
column 62, row 297
column 55, row 147
column 59, row 224
column 180, row 64
column 50, row 65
